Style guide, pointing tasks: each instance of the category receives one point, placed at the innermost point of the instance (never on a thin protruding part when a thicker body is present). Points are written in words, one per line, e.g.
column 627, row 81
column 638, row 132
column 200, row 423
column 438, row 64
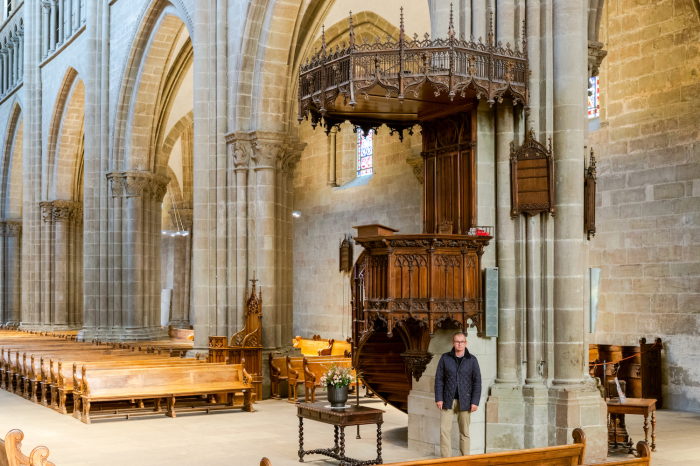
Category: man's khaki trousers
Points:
column 446, row 416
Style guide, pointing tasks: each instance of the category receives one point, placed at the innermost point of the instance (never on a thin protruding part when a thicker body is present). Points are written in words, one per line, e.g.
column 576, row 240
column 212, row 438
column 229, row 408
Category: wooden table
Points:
column 339, row 418
column 643, row 406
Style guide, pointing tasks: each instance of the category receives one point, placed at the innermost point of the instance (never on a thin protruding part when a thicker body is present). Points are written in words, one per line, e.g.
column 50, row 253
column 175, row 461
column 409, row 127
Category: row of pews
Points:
column 317, row 354
column 96, row 380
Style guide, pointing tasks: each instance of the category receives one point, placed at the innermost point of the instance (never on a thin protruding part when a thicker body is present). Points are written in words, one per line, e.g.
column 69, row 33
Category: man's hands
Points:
column 439, row 404
column 474, row 408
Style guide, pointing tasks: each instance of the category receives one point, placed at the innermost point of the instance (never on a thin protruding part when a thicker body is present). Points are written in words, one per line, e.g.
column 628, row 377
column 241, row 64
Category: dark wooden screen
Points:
column 449, row 173
column 532, row 180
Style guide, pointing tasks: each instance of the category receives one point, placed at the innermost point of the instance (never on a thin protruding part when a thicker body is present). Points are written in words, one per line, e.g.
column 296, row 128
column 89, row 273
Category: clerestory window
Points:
column 365, row 152
column 594, row 97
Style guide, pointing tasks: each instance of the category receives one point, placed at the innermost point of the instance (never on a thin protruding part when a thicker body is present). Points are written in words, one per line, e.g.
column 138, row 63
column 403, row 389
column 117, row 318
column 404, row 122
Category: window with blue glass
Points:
column 365, row 152
column 594, row 97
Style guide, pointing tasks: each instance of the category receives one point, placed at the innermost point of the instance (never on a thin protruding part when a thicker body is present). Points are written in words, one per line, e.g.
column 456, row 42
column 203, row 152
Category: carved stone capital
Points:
column 136, row 183
column 267, row 148
column 290, row 156
column 596, row 54
column 46, row 210
column 239, row 149
column 13, row 228
column 64, row 211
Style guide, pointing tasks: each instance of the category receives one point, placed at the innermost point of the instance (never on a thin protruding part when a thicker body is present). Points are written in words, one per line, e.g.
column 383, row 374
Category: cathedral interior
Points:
column 187, row 185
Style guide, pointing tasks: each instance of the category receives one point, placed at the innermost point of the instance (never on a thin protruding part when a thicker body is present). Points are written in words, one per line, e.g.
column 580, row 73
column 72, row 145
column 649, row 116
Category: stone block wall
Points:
column 393, row 197
column 648, row 200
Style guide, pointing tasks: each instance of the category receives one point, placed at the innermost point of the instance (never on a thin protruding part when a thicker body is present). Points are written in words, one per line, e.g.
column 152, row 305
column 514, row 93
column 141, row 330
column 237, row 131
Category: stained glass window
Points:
column 594, row 98
column 364, row 153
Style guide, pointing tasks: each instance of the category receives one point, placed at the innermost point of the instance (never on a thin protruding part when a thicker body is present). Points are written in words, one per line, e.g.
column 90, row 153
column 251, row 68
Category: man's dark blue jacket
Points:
column 460, row 381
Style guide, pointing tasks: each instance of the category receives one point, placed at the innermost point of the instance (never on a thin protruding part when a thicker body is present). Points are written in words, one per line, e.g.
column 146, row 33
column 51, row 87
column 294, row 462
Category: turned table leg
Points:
column 646, row 428
column 342, row 442
column 379, row 444
column 301, row 439
column 653, row 431
column 335, row 428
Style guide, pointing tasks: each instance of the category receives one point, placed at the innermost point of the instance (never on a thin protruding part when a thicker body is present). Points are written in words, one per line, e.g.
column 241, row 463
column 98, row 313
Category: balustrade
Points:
column 11, row 50
column 60, row 21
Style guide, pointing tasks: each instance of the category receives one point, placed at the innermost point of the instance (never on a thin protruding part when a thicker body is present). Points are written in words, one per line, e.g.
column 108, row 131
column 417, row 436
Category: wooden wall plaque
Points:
column 532, row 179
column 589, row 198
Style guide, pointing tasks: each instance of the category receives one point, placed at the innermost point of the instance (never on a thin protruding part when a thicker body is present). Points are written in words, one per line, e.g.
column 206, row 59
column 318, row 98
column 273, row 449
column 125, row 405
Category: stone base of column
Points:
column 536, row 399
column 505, row 418
column 572, row 406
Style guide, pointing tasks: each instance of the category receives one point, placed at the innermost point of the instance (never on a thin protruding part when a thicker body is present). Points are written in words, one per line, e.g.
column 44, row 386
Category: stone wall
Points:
column 393, row 197
column 648, row 204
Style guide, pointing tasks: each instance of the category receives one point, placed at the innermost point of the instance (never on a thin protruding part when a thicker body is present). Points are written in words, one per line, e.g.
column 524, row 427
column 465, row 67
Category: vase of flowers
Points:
column 336, row 380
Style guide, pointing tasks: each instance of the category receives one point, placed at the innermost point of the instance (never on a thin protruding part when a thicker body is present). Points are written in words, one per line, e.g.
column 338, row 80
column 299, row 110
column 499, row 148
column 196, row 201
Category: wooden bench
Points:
column 278, row 370
column 313, row 346
column 296, row 375
column 11, row 453
column 563, row 455
column 314, row 370
column 180, row 333
column 164, row 382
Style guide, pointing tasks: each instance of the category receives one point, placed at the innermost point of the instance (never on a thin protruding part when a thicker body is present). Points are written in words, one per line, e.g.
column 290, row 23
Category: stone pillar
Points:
column 52, row 26
column 62, row 212
column 13, row 235
column 240, row 150
column 440, row 17
column 78, row 20
column 187, row 222
column 60, row 38
column 69, row 26
column 13, row 62
column 5, row 69
column 46, row 35
column 332, row 153
column 573, row 401
column 46, row 310
column 20, row 34
column 4, row 314
column 266, row 149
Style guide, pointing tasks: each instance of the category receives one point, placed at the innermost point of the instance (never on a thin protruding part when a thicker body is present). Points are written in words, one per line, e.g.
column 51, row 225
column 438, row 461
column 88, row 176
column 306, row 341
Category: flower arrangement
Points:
column 337, row 376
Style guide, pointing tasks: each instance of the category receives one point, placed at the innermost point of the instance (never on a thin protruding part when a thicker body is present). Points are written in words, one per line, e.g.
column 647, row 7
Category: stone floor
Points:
column 236, row 438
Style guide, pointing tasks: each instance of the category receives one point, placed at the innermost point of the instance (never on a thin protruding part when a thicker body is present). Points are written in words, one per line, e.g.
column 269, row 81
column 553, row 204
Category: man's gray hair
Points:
column 460, row 333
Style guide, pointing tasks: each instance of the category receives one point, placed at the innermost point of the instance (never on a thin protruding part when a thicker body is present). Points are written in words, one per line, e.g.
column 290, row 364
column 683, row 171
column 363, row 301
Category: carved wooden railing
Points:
column 452, row 65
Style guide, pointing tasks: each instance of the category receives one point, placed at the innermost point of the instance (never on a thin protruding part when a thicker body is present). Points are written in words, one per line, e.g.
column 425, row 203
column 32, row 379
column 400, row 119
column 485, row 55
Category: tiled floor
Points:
column 236, row 438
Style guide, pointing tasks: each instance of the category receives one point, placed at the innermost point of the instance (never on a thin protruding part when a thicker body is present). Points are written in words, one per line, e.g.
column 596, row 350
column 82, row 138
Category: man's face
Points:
column 459, row 343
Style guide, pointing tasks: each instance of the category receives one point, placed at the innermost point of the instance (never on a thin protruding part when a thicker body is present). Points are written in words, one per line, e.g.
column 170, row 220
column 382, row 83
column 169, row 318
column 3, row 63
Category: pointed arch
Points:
column 65, row 139
column 10, row 193
column 138, row 118
column 172, row 137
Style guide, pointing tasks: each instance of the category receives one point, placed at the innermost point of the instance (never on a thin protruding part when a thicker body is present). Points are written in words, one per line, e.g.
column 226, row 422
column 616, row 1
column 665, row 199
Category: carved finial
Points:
column 524, row 37
column 352, row 33
column 490, row 27
column 401, row 28
column 323, row 40
column 592, row 164
column 254, row 280
column 451, row 28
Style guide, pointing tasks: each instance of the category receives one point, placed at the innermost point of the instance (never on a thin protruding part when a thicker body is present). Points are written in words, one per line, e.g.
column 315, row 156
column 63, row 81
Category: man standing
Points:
column 457, row 391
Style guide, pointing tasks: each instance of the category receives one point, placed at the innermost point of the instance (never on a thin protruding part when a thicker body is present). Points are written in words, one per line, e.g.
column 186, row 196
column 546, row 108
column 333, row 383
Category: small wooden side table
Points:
column 643, row 406
column 354, row 415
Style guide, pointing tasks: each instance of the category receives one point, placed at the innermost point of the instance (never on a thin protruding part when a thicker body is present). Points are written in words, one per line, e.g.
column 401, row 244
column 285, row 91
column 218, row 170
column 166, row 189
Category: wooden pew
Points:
column 562, row 455
column 278, row 369
column 314, row 370
column 313, row 346
column 180, row 333
column 11, row 453
column 297, row 376
column 165, row 382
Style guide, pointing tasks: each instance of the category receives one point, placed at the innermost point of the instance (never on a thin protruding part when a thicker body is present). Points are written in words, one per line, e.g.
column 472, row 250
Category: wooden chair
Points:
column 11, row 453
column 563, row 455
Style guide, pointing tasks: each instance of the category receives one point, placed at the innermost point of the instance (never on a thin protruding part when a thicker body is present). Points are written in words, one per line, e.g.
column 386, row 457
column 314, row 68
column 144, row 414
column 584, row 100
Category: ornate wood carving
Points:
column 431, row 72
column 532, row 178
column 449, row 171
column 345, row 253
column 589, row 188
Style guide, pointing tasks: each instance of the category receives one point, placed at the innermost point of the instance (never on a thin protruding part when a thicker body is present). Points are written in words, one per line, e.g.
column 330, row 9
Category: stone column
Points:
column 4, row 314
column 5, row 69
column 266, row 149
column 134, row 323
column 187, row 218
column 46, row 34
column 20, row 34
column 440, row 17
column 46, row 310
column 573, row 402
column 293, row 151
column 13, row 234
column 70, row 25
column 78, row 20
column 240, row 150
column 62, row 211
column 13, row 62
column 332, row 162
column 52, row 26
column 60, row 22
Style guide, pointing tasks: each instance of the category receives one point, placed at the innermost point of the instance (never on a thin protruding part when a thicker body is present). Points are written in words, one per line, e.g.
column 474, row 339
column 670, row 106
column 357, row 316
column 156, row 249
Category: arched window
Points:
column 365, row 153
column 594, row 97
